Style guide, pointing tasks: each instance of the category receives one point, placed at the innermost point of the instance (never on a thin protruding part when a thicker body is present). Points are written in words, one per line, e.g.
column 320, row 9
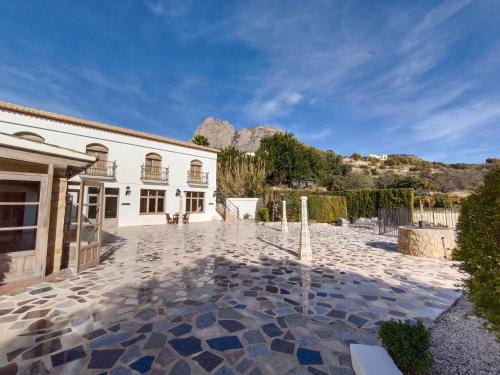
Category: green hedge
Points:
column 365, row 203
column 479, row 247
column 360, row 203
column 321, row 208
column 326, row 209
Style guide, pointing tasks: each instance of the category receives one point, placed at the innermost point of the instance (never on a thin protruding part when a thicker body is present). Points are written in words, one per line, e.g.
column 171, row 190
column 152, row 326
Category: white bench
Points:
column 372, row 360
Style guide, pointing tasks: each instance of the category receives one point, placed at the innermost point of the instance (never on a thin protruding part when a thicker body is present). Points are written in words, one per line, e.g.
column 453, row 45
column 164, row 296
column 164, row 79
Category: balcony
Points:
column 197, row 178
column 154, row 174
column 101, row 169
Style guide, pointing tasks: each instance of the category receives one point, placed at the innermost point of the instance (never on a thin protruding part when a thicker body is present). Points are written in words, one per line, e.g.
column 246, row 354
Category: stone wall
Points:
column 426, row 242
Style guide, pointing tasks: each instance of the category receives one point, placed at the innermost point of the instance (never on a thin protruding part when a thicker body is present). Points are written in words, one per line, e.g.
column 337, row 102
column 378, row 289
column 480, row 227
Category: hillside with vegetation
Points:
column 283, row 162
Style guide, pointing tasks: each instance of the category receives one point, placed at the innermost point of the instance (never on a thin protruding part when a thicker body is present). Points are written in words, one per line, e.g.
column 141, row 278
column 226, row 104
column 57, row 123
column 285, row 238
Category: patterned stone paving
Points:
column 220, row 299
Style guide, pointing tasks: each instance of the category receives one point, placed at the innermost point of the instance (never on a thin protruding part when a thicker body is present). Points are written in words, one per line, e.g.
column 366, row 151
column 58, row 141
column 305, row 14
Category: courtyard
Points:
column 221, row 298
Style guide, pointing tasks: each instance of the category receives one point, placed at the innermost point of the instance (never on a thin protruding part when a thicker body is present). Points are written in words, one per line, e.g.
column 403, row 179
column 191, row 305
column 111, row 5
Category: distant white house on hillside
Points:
column 380, row 157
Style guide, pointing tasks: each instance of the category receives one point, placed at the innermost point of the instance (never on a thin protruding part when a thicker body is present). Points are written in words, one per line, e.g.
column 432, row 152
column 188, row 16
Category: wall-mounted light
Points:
column 178, row 193
column 128, row 190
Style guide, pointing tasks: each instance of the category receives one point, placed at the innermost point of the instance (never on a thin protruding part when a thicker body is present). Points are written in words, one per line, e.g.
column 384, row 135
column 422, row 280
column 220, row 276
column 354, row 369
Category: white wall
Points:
column 246, row 205
column 129, row 154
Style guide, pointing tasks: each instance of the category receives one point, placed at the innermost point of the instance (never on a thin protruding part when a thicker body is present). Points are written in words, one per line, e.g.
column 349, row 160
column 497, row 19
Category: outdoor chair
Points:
column 169, row 219
column 185, row 218
column 176, row 218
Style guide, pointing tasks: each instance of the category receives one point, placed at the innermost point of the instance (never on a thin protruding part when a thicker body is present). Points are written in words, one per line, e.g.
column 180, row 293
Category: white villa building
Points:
column 127, row 178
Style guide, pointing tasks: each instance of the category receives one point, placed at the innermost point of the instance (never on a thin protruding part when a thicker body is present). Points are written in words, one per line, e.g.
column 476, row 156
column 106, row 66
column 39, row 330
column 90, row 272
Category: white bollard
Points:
column 284, row 222
column 305, row 253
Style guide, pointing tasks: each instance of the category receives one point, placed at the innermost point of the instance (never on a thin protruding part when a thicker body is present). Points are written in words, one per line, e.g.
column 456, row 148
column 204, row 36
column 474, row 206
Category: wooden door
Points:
column 111, row 206
column 89, row 225
column 23, row 226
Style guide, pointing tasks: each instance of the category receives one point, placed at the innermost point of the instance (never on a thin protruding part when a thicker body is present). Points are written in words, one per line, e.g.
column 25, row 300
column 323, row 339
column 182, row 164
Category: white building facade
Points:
column 144, row 176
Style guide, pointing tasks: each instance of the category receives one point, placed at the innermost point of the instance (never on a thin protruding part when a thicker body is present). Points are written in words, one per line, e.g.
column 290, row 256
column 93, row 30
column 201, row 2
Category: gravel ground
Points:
column 462, row 345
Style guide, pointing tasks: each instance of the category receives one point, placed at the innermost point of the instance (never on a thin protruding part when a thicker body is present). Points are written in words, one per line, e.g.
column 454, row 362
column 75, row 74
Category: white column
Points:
column 181, row 212
column 305, row 253
column 284, row 222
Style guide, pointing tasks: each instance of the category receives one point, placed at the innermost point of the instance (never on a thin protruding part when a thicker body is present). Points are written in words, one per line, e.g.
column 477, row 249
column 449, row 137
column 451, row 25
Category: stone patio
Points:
column 222, row 299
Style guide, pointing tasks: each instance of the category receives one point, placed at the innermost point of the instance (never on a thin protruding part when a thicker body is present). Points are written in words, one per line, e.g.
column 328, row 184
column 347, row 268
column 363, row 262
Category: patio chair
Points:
column 185, row 218
column 169, row 219
column 176, row 218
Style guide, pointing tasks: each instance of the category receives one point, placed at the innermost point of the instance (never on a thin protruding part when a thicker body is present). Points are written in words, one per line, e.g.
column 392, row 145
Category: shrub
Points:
column 326, row 209
column 361, row 203
column 479, row 247
column 408, row 345
column 263, row 214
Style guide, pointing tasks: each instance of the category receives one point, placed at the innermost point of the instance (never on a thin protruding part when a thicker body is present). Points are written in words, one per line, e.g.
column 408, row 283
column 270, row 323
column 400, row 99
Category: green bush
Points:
column 326, row 209
column 365, row 203
column 408, row 345
column 479, row 247
column 263, row 214
column 361, row 203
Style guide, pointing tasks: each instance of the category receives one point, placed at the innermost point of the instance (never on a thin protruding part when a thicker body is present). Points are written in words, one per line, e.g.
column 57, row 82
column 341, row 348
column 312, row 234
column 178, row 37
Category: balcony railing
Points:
column 197, row 178
column 150, row 173
column 101, row 169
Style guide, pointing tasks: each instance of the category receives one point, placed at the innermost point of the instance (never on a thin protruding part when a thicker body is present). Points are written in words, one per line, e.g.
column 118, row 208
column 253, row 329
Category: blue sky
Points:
column 419, row 77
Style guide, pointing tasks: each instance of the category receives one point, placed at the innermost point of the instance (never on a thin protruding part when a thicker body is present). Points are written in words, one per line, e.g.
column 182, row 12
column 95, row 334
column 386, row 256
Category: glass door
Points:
column 23, row 212
column 90, row 222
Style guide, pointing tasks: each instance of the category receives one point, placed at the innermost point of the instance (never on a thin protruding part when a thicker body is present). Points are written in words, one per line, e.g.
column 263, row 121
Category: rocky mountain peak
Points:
column 222, row 134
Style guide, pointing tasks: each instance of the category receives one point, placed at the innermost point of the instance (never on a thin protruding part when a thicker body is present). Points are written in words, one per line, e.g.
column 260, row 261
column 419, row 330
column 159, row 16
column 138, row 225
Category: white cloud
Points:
column 261, row 109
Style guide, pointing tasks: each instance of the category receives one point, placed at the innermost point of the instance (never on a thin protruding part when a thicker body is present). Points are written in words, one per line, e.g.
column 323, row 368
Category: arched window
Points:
column 195, row 171
column 99, row 151
column 30, row 136
column 153, row 165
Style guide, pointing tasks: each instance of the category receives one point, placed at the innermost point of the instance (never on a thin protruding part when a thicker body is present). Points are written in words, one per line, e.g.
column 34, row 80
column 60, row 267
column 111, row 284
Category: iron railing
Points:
column 389, row 219
column 151, row 173
column 199, row 178
column 101, row 169
column 228, row 206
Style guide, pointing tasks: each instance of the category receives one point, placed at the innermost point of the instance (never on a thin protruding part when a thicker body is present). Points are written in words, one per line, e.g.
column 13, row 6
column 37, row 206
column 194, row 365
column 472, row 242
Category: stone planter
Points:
column 426, row 242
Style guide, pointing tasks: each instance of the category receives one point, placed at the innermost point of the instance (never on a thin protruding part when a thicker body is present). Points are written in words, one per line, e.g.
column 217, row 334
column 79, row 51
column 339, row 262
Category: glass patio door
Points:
column 90, row 225
column 23, row 211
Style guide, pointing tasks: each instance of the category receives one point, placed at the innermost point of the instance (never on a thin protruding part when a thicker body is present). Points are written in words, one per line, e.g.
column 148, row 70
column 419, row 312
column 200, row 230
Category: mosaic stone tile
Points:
column 143, row 365
column 66, row 356
column 130, row 354
column 180, row 368
column 224, row 343
column 180, row 330
column 208, row 360
column 132, row 341
column 309, row 357
column 258, row 350
column 282, row 346
column 186, row 346
column 205, row 320
column 165, row 357
column 231, row 325
column 155, row 341
column 44, row 348
column 104, row 359
column 272, row 330
column 165, row 278
column 253, row 336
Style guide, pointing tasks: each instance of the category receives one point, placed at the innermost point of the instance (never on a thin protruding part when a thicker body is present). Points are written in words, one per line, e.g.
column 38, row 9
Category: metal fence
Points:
column 389, row 219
